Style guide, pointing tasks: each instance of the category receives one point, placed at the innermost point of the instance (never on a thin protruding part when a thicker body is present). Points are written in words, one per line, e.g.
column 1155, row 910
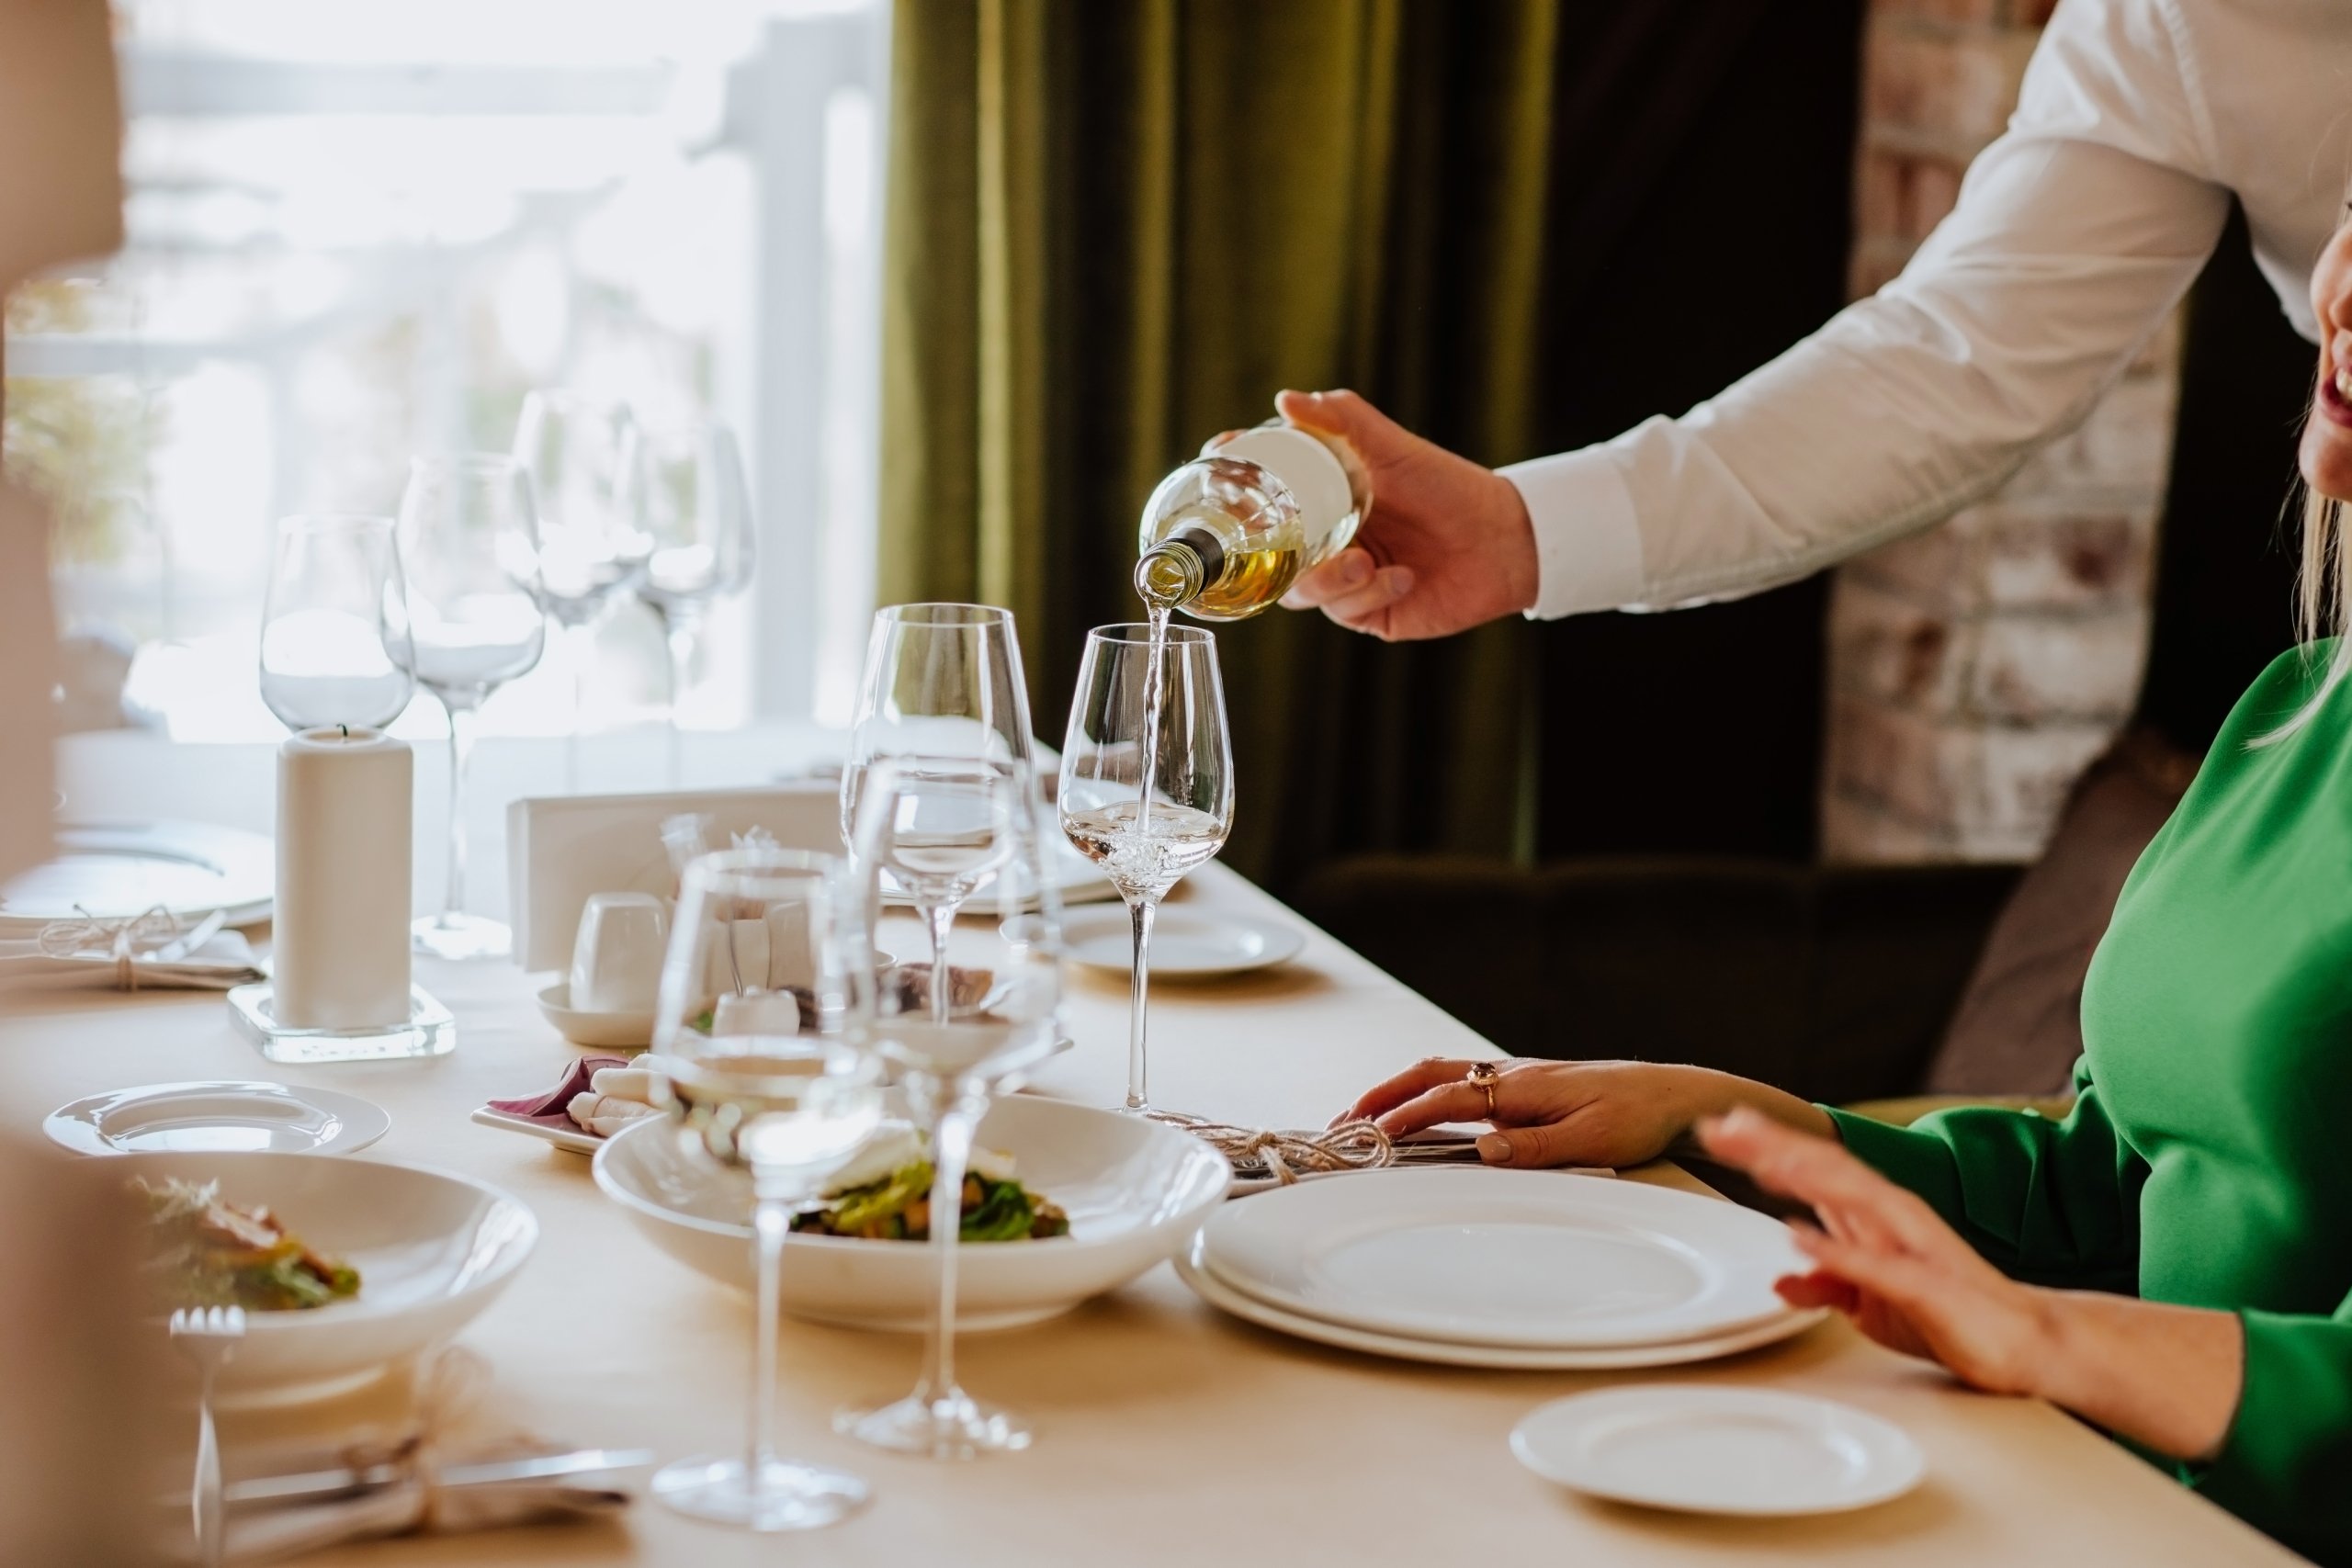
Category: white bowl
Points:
column 433, row 1249
column 1135, row 1190
column 599, row 1030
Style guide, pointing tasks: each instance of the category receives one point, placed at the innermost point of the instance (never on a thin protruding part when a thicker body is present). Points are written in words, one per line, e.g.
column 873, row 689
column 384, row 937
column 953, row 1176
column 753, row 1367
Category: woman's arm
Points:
column 1547, row 1113
column 2169, row 1378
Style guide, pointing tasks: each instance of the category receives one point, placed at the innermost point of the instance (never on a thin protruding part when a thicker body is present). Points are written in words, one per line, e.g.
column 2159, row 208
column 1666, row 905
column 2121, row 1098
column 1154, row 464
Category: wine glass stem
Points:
column 1140, row 910
column 941, row 917
column 584, row 645
column 679, row 625
column 461, row 748
column 771, row 1219
column 951, row 1153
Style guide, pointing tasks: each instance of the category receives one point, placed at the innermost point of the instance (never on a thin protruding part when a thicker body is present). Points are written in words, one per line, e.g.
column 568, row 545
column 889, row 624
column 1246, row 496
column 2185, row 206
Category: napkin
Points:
column 598, row 1094
column 225, row 960
column 453, row 1428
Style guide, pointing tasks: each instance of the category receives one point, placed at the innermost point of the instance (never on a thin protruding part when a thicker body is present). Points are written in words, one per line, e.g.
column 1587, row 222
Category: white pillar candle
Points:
column 339, row 930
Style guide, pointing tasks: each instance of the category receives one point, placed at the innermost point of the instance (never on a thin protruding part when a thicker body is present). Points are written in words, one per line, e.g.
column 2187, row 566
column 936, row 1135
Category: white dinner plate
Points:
column 1528, row 1258
column 1077, row 879
column 1718, row 1450
column 1183, row 942
column 218, row 1118
column 433, row 1249
column 115, row 871
column 1134, row 1191
column 1249, row 1309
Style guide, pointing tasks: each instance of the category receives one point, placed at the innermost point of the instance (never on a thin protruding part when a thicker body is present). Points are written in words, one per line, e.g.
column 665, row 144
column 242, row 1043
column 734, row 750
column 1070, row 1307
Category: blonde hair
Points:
column 2322, row 603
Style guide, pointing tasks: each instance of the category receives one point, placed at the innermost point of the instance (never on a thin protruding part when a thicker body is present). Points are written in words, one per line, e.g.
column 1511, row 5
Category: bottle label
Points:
column 1308, row 470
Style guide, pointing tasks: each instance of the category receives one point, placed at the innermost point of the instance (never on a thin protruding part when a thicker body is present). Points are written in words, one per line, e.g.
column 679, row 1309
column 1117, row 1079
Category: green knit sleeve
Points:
column 2283, row 1464
column 2051, row 1202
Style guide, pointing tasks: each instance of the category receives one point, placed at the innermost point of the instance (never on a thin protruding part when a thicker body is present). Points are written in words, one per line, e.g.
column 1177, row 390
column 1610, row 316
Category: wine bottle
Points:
column 1226, row 535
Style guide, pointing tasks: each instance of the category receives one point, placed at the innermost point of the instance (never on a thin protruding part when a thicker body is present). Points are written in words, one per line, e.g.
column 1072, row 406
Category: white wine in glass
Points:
column 1147, row 780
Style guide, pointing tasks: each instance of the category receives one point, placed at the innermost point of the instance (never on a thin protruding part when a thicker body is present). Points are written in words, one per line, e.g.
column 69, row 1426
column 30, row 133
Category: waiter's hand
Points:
column 1448, row 545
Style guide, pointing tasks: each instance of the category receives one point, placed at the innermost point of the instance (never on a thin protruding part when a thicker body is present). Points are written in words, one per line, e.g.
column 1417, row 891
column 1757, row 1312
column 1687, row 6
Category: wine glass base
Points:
column 955, row 1427
column 785, row 1497
column 463, row 938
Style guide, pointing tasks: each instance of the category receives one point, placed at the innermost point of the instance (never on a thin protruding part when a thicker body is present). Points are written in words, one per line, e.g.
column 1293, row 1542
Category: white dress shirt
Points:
column 2076, row 234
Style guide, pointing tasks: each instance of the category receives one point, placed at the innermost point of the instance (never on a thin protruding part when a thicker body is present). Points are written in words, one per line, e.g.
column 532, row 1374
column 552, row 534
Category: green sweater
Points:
column 2208, row 1159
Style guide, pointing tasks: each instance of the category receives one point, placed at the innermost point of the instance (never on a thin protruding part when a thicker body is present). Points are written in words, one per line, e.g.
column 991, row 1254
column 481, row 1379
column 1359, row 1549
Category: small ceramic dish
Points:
column 605, row 1031
column 218, row 1117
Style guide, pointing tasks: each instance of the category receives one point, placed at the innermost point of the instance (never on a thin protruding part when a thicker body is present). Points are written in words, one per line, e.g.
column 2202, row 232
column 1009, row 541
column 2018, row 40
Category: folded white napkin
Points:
column 455, row 1428
column 223, row 962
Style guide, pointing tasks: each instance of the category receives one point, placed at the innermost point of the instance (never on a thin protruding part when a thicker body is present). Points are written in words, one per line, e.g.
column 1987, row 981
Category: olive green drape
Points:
column 1116, row 228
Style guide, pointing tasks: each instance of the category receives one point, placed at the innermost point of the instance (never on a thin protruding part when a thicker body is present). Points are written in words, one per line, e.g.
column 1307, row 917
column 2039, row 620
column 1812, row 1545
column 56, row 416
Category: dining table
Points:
column 1166, row 1431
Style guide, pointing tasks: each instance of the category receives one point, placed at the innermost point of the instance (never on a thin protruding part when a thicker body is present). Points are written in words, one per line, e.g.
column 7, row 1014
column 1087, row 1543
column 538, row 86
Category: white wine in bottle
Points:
column 1226, row 535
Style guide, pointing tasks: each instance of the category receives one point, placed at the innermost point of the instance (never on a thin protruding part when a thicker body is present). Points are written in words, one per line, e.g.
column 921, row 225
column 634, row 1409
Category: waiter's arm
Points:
column 2075, row 235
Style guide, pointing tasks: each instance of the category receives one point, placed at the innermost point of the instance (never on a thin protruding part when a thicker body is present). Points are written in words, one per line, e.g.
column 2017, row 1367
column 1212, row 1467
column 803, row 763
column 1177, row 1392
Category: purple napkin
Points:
column 548, row 1110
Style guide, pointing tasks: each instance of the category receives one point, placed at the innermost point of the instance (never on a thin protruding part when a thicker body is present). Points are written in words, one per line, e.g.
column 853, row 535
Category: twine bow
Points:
column 1351, row 1146
column 119, row 939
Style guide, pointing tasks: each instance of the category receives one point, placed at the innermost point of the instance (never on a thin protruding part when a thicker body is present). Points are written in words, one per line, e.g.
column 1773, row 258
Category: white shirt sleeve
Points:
column 2075, row 235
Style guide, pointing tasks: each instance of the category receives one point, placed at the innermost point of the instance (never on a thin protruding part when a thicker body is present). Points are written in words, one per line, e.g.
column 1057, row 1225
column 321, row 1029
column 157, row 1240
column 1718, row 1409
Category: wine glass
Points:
column 686, row 488
column 1147, row 780
column 958, row 1030
column 941, row 681
column 591, row 548
column 335, row 630
column 471, row 540
column 761, row 1033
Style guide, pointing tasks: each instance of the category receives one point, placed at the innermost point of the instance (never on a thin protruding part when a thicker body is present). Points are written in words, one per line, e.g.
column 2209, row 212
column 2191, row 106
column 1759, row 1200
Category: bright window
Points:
column 358, row 232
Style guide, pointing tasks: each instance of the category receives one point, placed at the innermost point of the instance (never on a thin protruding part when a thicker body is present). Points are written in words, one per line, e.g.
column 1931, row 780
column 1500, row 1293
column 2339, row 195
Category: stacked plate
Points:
column 1501, row 1268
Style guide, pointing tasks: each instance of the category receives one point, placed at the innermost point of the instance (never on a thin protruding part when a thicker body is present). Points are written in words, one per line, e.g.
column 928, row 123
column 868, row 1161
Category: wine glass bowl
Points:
column 684, row 488
column 940, row 680
column 1145, row 789
column 335, row 643
column 468, row 535
column 762, row 1031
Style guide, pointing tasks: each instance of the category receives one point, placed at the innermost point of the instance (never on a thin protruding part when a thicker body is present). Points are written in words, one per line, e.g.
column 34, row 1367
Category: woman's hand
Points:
column 1613, row 1114
column 1448, row 546
column 1887, row 1260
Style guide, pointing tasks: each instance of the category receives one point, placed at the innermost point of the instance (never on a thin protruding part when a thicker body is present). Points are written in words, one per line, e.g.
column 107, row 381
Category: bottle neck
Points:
column 1180, row 569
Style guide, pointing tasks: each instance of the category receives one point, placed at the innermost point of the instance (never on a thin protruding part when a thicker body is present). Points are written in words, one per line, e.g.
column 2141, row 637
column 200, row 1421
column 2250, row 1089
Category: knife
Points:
column 319, row 1486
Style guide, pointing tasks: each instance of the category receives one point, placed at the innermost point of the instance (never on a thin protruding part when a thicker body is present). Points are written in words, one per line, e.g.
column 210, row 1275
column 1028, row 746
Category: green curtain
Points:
column 1115, row 228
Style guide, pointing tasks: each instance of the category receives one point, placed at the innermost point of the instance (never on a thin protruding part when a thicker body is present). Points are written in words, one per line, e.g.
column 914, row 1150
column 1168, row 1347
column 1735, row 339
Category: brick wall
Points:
column 1976, row 667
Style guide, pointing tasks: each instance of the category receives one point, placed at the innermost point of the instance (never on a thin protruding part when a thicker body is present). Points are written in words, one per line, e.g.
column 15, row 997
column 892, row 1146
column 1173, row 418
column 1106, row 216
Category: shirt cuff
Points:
column 2286, row 1444
column 1587, row 536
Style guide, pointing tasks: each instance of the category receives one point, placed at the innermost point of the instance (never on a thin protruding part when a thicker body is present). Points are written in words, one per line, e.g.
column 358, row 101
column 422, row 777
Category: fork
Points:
column 208, row 1337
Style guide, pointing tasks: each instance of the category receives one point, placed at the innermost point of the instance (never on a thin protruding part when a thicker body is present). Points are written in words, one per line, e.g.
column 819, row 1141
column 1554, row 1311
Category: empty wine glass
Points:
column 685, row 489
column 1147, row 780
column 334, row 631
column 958, row 1030
column 940, row 680
column 762, row 1036
column 590, row 548
column 471, row 541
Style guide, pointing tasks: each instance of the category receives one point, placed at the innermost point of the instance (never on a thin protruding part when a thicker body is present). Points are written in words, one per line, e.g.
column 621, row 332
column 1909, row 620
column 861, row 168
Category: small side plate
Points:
column 605, row 1031
column 571, row 1140
column 1698, row 1448
column 218, row 1117
column 1182, row 944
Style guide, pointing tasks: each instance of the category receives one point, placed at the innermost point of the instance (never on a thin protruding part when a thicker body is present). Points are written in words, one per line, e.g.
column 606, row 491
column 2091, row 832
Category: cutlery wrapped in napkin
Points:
column 150, row 952
column 454, row 1469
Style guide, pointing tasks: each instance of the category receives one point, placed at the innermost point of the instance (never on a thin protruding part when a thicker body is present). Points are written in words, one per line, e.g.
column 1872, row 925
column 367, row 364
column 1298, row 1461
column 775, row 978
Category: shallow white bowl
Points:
column 602, row 1031
column 1134, row 1191
column 433, row 1249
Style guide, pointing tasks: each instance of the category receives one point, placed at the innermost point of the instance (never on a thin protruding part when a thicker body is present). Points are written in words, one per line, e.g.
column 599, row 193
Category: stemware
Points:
column 762, row 1036
column 469, row 536
column 941, row 681
column 591, row 548
column 958, row 1030
column 335, row 647
column 684, row 486
column 1147, row 780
